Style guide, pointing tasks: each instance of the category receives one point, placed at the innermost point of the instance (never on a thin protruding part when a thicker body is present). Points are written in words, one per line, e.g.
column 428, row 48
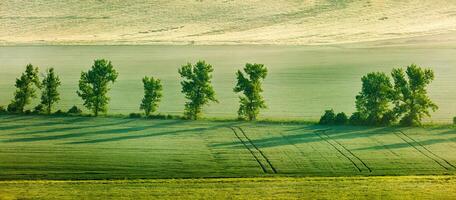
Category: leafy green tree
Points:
column 93, row 85
column 250, row 85
column 49, row 94
column 152, row 95
column 411, row 99
column 374, row 100
column 197, row 87
column 328, row 117
column 25, row 90
column 341, row 119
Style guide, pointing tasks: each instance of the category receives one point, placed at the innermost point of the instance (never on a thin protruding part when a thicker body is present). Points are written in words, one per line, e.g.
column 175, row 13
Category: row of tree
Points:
column 383, row 102
column 94, row 86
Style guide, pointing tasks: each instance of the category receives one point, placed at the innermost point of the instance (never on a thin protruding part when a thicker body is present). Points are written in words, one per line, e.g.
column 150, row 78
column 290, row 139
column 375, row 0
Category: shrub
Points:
column 341, row 119
column 135, row 115
column 38, row 109
column 74, row 110
column 12, row 108
column 454, row 120
column 357, row 119
column 27, row 112
column 59, row 112
column 2, row 110
column 328, row 117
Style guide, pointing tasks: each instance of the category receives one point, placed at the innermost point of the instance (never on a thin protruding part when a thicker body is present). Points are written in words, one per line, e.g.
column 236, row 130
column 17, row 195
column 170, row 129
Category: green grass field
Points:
column 35, row 147
column 408, row 187
column 301, row 84
column 105, row 157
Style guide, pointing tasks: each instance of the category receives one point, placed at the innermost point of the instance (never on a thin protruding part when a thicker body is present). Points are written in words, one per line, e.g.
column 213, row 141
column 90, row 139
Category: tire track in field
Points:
column 425, row 151
column 258, row 149
column 343, row 151
column 257, row 155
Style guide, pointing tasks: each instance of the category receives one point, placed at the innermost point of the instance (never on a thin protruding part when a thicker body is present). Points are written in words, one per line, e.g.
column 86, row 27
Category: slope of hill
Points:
column 295, row 22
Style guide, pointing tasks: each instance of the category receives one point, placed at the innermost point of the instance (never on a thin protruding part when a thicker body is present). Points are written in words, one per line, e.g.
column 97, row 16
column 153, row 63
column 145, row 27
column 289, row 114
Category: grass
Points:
column 287, row 22
column 302, row 81
column 408, row 187
column 40, row 147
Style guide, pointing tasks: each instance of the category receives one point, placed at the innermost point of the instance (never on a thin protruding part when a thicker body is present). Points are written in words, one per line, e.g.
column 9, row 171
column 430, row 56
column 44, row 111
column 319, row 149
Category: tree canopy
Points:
column 93, row 85
column 250, row 84
column 411, row 100
column 50, row 94
column 25, row 89
column 197, row 87
column 374, row 100
column 152, row 95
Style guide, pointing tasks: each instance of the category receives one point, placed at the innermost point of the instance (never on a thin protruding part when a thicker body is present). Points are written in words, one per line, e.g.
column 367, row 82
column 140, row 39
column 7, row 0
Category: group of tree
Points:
column 383, row 102
column 95, row 84
column 26, row 86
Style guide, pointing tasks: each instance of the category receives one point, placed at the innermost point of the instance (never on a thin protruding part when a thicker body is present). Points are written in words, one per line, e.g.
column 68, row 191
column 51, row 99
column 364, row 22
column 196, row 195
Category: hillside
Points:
column 291, row 22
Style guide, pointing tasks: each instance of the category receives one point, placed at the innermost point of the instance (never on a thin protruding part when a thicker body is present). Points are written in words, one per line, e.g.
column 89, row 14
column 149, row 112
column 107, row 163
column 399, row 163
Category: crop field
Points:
column 301, row 84
column 121, row 148
column 401, row 187
column 290, row 22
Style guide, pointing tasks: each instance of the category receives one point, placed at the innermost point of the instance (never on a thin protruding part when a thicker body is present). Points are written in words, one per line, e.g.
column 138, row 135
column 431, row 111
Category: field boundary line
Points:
column 349, row 151
column 424, row 147
column 258, row 149
column 416, row 148
column 250, row 150
column 334, row 146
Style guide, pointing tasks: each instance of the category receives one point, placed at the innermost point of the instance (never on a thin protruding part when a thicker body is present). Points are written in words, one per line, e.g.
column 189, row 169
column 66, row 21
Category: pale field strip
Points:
column 308, row 22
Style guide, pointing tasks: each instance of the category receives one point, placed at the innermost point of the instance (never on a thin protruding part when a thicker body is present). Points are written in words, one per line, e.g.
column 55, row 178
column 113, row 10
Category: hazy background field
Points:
column 302, row 82
column 223, row 21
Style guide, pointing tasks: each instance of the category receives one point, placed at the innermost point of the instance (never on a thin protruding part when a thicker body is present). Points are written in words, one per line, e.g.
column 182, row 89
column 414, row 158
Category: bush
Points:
column 328, row 117
column 388, row 118
column 59, row 112
column 2, row 110
column 341, row 119
column 27, row 112
column 38, row 109
column 135, row 115
column 12, row 108
column 74, row 110
column 357, row 119
column 454, row 120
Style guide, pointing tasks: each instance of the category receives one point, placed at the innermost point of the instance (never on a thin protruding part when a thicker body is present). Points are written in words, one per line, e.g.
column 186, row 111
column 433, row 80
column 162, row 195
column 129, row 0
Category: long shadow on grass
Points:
column 98, row 132
column 72, row 128
column 130, row 130
column 306, row 134
column 25, row 121
column 137, row 136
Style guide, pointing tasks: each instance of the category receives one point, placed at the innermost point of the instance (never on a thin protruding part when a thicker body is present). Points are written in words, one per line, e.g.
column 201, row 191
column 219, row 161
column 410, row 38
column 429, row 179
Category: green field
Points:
column 302, row 81
column 423, row 187
column 34, row 147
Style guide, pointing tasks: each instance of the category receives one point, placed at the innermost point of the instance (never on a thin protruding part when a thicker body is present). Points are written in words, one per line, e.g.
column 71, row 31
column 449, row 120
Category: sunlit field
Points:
column 302, row 81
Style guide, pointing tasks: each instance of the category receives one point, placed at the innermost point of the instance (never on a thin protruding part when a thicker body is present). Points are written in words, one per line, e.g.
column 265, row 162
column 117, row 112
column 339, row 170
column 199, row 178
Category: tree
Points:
column 328, row 117
column 25, row 91
column 411, row 99
column 93, row 85
column 373, row 102
column 50, row 95
column 152, row 95
column 197, row 87
column 251, row 87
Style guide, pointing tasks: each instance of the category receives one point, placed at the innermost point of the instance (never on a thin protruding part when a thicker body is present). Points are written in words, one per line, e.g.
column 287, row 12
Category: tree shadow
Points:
column 78, row 127
column 24, row 124
column 117, row 131
column 308, row 134
column 137, row 136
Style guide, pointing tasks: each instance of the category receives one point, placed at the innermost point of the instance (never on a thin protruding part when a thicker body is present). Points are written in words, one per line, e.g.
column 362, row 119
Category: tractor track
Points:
column 257, row 154
column 436, row 157
column 347, row 155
